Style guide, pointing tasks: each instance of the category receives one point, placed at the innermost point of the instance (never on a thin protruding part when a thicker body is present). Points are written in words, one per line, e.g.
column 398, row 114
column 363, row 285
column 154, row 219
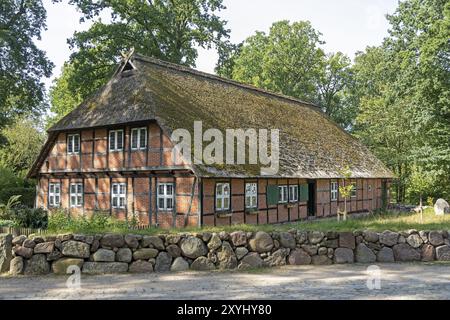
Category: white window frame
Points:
column 116, row 135
column 53, row 195
column 283, row 194
column 222, row 196
column 251, row 195
column 71, row 143
column 139, row 145
column 293, row 191
column 119, row 195
column 165, row 196
column 353, row 192
column 76, row 198
column 334, row 189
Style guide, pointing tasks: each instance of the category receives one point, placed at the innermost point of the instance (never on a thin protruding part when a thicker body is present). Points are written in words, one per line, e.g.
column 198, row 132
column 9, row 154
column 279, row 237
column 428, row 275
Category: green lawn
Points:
column 377, row 222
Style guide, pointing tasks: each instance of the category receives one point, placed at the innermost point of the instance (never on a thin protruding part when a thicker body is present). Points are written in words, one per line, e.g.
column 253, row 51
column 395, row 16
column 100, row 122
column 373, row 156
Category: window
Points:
column 293, row 193
column 282, row 194
column 222, row 196
column 251, row 195
column 118, row 195
column 165, row 196
column 54, row 194
column 76, row 194
column 369, row 188
column 115, row 140
column 353, row 192
column 73, row 143
column 334, row 190
column 138, row 138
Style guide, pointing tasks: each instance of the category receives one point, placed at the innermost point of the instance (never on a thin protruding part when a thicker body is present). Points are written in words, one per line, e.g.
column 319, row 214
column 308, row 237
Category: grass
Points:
column 393, row 221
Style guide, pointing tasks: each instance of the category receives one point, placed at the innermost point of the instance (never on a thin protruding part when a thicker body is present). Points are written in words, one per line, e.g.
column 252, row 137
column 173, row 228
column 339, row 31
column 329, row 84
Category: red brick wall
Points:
column 324, row 207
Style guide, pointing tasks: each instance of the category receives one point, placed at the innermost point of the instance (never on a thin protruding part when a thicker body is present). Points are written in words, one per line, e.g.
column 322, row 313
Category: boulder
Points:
column 435, row 238
column 75, row 249
column 301, row 237
column 214, row 242
column 104, row 255
column 5, row 252
column 240, row 252
column 414, row 240
column 315, row 237
column 332, row 243
column 163, row 262
column 110, row 241
column 37, row 265
column 145, row 254
column 322, row 251
column 278, row 258
column 443, row 253
column 173, row 250
column 299, row 257
column 173, row 238
column 153, row 242
column 227, row 258
column 64, row 237
column 343, row 255
column 44, row 247
column 287, row 240
column 131, row 241
column 404, row 252
column 19, row 240
column 29, row 243
column 331, row 235
column 389, row 238
column 346, row 240
column 202, row 264
column 311, row 249
column 54, row 255
column 23, row 252
column 193, row 247
column 385, row 255
column 321, row 260
column 60, row 266
column 140, row 266
column 364, row 254
column 428, row 253
column 206, row 236
column 251, row 260
column 16, row 266
column 239, row 238
column 441, row 207
column 124, row 255
column 370, row 236
column 262, row 242
column 104, row 267
column 179, row 264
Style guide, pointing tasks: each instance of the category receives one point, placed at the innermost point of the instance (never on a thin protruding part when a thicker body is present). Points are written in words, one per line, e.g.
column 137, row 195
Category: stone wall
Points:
column 111, row 253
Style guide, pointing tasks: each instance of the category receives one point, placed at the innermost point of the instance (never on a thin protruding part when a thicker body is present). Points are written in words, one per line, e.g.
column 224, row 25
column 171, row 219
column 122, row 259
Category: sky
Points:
column 346, row 25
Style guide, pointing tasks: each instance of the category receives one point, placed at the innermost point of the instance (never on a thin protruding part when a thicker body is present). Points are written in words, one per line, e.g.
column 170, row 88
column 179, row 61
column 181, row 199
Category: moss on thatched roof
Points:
column 311, row 145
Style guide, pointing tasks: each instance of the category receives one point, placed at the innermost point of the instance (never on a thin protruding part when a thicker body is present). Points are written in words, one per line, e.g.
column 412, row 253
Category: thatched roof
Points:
column 311, row 145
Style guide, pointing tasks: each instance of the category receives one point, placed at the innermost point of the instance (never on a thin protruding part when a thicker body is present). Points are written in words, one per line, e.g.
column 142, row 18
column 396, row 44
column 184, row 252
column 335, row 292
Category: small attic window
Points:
column 128, row 66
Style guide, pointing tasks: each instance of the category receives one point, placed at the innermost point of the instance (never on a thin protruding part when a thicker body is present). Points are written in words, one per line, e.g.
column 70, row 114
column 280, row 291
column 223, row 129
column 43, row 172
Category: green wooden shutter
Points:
column 304, row 193
column 272, row 194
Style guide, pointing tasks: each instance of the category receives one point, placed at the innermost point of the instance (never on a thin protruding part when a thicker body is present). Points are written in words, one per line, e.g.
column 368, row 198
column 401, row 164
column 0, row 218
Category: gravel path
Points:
column 398, row 281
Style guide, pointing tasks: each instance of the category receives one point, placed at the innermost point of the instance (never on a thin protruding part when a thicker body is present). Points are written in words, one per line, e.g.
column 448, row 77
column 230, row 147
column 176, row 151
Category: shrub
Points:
column 60, row 220
column 7, row 223
column 30, row 218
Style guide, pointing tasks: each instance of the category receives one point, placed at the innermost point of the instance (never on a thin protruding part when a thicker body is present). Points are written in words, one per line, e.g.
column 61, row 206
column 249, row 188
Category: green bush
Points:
column 28, row 194
column 99, row 222
column 7, row 223
column 30, row 218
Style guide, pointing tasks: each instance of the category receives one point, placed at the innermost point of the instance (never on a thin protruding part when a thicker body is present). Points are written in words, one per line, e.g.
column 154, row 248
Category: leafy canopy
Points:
column 167, row 29
column 22, row 64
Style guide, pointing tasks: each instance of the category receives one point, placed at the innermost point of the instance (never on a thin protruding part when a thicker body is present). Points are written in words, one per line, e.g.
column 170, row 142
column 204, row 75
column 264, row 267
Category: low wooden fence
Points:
column 21, row 231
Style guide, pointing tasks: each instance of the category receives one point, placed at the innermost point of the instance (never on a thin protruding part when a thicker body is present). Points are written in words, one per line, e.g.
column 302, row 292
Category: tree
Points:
column 23, row 142
column 289, row 60
column 165, row 29
column 345, row 189
column 22, row 64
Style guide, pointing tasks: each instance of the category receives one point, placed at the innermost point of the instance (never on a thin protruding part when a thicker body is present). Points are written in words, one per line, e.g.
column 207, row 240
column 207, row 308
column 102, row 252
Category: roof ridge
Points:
column 207, row 75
